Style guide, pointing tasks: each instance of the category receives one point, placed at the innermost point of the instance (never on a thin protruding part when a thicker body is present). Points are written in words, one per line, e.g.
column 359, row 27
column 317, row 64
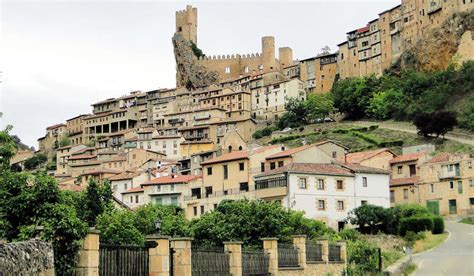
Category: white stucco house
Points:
column 326, row 192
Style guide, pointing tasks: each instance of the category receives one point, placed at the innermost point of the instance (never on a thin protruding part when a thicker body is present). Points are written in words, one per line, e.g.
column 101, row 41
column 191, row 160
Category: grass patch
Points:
column 390, row 257
column 430, row 241
column 409, row 269
column 467, row 221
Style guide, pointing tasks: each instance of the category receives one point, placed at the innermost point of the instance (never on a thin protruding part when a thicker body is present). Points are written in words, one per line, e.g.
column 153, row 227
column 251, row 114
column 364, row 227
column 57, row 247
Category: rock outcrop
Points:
column 189, row 73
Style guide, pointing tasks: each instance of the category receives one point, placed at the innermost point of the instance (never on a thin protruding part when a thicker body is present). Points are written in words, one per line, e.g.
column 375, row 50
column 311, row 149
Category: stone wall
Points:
column 33, row 257
column 314, row 269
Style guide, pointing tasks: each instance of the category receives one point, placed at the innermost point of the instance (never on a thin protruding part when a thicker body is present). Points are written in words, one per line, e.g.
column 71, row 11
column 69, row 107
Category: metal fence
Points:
column 210, row 261
column 287, row 255
column 123, row 260
column 334, row 253
column 314, row 252
column 255, row 263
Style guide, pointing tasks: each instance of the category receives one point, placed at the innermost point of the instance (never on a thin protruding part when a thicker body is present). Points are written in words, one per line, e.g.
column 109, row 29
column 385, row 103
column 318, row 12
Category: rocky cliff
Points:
column 189, row 73
column 440, row 47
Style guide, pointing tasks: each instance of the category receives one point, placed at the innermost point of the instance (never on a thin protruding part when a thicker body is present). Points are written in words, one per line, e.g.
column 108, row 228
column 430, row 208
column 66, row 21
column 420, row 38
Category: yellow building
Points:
column 379, row 158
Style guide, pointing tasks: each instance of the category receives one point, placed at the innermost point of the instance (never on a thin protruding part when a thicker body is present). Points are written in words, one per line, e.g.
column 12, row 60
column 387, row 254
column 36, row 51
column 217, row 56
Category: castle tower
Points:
column 285, row 56
column 268, row 53
column 186, row 23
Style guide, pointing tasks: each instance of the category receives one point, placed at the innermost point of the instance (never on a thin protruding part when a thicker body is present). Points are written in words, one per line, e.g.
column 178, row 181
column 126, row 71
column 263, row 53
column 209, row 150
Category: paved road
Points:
column 454, row 257
column 465, row 139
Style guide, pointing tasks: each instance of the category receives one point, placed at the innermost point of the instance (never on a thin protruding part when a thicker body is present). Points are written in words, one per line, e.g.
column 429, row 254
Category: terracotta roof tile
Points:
column 292, row 151
column 133, row 190
column 442, row 157
column 82, row 156
column 315, row 168
column 100, row 171
column 235, row 155
column 403, row 181
column 364, row 169
column 56, row 126
column 407, row 157
column 126, row 175
column 172, row 179
column 71, row 187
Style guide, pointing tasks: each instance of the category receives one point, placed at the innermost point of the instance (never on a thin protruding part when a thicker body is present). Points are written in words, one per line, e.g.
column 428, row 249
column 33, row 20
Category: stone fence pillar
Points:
column 325, row 249
column 182, row 256
column 88, row 255
column 159, row 256
column 270, row 246
column 299, row 241
column 343, row 246
column 235, row 259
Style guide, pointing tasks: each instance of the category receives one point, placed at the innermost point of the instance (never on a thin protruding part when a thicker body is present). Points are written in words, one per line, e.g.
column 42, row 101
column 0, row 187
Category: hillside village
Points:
column 192, row 145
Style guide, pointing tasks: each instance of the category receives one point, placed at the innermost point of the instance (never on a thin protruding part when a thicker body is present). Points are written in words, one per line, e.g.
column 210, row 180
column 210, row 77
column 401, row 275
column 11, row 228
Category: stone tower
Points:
column 268, row 53
column 285, row 56
column 186, row 23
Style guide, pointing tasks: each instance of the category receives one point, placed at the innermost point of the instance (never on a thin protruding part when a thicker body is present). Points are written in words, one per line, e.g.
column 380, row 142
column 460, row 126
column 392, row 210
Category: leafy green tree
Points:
column 437, row 123
column 119, row 227
column 319, row 106
column 35, row 161
column 388, row 104
column 172, row 219
column 466, row 119
column 369, row 218
column 97, row 199
column 352, row 96
column 65, row 141
column 8, row 147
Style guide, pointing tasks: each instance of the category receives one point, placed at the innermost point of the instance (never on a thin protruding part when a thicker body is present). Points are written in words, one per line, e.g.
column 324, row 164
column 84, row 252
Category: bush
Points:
column 437, row 123
column 438, row 225
column 362, row 257
column 267, row 131
column 415, row 224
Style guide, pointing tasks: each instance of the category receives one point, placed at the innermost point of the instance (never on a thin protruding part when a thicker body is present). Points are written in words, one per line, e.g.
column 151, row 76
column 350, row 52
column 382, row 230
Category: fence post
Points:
column 235, row 259
column 182, row 256
column 299, row 241
column 325, row 249
column 88, row 255
column 343, row 246
column 159, row 256
column 270, row 246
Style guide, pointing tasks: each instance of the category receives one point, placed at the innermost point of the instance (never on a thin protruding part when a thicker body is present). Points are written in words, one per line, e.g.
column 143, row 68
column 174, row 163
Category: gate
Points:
column 123, row 260
column 255, row 263
column 210, row 262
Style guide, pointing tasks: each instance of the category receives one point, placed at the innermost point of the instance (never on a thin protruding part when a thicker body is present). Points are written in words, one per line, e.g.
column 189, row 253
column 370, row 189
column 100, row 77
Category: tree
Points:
column 466, row 119
column 8, row 147
column 97, row 199
column 352, row 96
column 35, row 161
column 369, row 218
column 319, row 106
column 118, row 227
column 437, row 123
column 65, row 141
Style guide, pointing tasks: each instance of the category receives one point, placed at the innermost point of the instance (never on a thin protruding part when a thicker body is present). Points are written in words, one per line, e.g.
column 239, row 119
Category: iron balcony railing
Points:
column 271, row 183
column 219, row 193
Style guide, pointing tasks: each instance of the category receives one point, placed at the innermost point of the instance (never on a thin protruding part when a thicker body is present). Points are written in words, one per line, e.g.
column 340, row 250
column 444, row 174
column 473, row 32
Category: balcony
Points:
column 176, row 121
column 225, row 193
column 455, row 174
column 269, row 188
column 202, row 116
column 195, row 136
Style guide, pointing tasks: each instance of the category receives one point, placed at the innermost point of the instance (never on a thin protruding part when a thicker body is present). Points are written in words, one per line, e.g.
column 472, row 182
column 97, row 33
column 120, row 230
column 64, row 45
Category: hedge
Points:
column 438, row 225
column 415, row 224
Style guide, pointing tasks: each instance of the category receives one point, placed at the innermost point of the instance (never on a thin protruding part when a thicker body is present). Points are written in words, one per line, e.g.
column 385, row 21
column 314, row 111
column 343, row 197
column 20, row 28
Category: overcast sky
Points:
column 59, row 57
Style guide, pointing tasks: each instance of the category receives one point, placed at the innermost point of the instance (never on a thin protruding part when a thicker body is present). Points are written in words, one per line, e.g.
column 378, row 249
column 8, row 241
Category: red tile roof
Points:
column 235, row 155
column 100, row 171
column 403, row 181
column 442, row 157
column 126, row 175
column 363, row 30
column 357, row 157
column 292, row 151
column 314, row 168
column 83, row 156
column 364, row 169
column 172, row 179
column 133, row 190
column 56, row 126
column 407, row 157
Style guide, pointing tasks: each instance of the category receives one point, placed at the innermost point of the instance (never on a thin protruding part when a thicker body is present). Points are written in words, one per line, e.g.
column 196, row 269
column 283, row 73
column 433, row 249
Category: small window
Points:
column 172, row 187
column 321, row 205
column 244, row 186
column 399, row 168
column 334, row 154
column 241, row 166
column 209, row 170
column 302, row 183
column 451, row 185
column 340, row 205
column 136, row 199
column 364, row 181
column 320, row 184
column 471, row 183
column 195, row 211
column 272, row 165
column 392, row 196
column 339, row 184
column 202, row 209
column 459, row 187
column 262, row 167
column 471, row 201
column 363, row 202
column 226, row 172
column 280, row 164
column 432, row 188
column 405, row 193
column 227, row 69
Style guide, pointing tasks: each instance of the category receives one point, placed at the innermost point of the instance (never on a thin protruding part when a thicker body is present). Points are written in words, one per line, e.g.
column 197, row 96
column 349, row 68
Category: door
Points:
column 341, row 225
column 452, row 206
column 412, row 170
column 433, row 206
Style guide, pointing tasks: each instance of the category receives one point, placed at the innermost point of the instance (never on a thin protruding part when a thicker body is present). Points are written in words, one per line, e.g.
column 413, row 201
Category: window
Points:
column 363, row 202
column 215, row 206
column 399, row 168
column 172, row 187
column 272, row 165
column 302, row 183
column 136, row 199
column 339, row 184
column 125, row 186
column 451, row 185
column 459, row 187
column 227, row 69
column 364, row 181
column 280, row 164
column 320, row 184
column 202, row 209
column 209, row 170
column 469, row 165
column 131, row 199
column 334, row 154
column 262, row 167
column 412, row 170
column 340, row 205
column 471, row 183
column 175, row 144
column 405, row 193
column 244, row 186
column 431, row 188
column 195, row 211
column 321, row 205
column 174, row 200
column 226, row 172
column 246, row 69
column 365, row 43
column 392, row 196
column 241, row 166
column 158, row 189
column 208, row 191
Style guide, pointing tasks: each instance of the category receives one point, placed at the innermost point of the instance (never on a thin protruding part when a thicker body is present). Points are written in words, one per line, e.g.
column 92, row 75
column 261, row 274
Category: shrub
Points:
column 438, row 225
column 367, row 137
column 415, row 224
column 362, row 257
column 267, row 131
column 437, row 123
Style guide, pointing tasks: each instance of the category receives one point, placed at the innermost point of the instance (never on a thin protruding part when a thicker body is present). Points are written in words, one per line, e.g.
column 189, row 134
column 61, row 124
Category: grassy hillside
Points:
column 359, row 139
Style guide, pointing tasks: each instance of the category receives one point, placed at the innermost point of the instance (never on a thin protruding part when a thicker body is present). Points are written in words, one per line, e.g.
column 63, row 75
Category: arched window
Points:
column 240, row 147
column 230, row 148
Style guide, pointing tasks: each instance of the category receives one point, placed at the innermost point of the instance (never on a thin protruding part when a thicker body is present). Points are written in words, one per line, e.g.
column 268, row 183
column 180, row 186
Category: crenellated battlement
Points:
column 231, row 57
